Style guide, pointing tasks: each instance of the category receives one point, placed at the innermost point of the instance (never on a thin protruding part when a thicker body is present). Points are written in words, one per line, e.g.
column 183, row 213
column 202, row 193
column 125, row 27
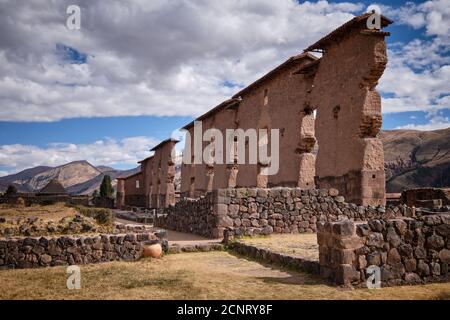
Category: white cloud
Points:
column 418, row 72
column 108, row 152
column 436, row 122
column 148, row 57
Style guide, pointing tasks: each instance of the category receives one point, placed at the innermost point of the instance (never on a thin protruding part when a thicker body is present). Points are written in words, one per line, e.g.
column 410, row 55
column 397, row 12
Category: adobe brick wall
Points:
column 253, row 211
column 17, row 253
column 350, row 156
column 407, row 250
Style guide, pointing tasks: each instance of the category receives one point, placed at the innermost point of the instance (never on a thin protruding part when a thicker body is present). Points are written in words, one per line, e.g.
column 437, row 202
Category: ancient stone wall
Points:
column 252, row 211
column 162, row 175
column 433, row 198
column 67, row 250
column 407, row 250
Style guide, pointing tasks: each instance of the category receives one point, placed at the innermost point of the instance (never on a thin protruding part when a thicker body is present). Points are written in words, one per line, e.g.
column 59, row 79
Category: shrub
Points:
column 101, row 215
column 20, row 202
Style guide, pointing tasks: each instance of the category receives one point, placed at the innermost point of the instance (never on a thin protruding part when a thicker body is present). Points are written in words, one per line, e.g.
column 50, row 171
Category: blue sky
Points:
column 110, row 91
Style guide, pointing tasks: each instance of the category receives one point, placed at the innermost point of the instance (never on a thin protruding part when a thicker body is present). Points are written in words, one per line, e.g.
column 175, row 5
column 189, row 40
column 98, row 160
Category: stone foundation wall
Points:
column 406, row 250
column 253, row 211
column 55, row 251
column 193, row 216
column 135, row 200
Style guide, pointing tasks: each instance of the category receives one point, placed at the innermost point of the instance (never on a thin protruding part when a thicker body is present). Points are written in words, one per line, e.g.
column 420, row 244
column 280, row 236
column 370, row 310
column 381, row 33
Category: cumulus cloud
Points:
column 418, row 72
column 108, row 152
column 147, row 57
column 436, row 122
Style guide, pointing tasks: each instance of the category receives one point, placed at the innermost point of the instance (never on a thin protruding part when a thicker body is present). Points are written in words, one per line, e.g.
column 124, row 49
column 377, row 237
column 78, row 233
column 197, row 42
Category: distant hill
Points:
column 416, row 158
column 78, row 177
column 89, row 186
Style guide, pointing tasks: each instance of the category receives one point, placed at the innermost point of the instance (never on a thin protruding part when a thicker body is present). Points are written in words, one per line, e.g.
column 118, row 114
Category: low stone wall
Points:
column 54, row 251
column 267, row 256
column 253, row 211
column 198, row 216
column 433, row 198
column 30, row 199
column 407, row 250
column 135, row 200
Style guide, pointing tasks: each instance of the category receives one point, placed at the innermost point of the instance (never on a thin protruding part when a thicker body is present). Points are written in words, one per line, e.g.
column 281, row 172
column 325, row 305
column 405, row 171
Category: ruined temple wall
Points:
column 350, row 155
column 147, row 173
column 134, row 196
column 120, row 202
column 163, row 174
column 188, row 169
column 277, row 103
column 202, row 171
column 225, row 119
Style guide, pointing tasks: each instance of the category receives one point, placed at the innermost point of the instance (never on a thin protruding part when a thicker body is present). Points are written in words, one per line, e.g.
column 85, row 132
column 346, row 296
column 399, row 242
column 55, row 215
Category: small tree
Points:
column 106, row 189
column 11, row 191
column 95, row 194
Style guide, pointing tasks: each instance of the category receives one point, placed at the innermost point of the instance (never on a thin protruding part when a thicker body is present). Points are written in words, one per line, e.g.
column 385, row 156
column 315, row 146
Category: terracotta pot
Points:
column 153, row 251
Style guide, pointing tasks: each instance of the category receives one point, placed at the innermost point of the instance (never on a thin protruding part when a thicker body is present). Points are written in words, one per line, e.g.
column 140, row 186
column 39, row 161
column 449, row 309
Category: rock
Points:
column 376, row 225
column 432, row 220
column 435, row 269
column 333, row 192
column 423, row 269
column 435, row 242
column 339, row 199
column 406, row 250
column 375, row 239
column 343, row 228
column 420, row 253
column 374, row 259
column 412, row 278
column 410, row 265
column 444, row 255
column 393, row 257
column 362, row 229
column 46, row 259
column 392, row 237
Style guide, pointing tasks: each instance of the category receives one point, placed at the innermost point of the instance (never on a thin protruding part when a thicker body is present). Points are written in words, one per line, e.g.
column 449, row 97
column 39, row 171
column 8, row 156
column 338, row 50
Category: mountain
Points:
column 78, row 177
column 89, row 186
column 416, row 158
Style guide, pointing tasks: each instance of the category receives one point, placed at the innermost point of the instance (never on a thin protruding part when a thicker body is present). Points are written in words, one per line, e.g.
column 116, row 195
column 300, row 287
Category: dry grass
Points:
column 51, row 212
column 36, row 219
column 298, row 245
column 209, row 275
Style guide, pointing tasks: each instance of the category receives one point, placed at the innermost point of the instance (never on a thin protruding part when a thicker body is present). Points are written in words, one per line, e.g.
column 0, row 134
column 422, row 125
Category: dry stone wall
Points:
column 55, row 251
column 253, row 211
column 406, row 250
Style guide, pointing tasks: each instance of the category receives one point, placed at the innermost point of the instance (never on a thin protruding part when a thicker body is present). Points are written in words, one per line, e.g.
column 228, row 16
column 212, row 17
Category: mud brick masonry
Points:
column 329, row 101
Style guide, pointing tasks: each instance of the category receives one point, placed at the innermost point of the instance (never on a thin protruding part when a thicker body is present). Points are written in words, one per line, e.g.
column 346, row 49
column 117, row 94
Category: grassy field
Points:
column 302, row 245
column 55, row 219
column 208, row 275
column 50, row 212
